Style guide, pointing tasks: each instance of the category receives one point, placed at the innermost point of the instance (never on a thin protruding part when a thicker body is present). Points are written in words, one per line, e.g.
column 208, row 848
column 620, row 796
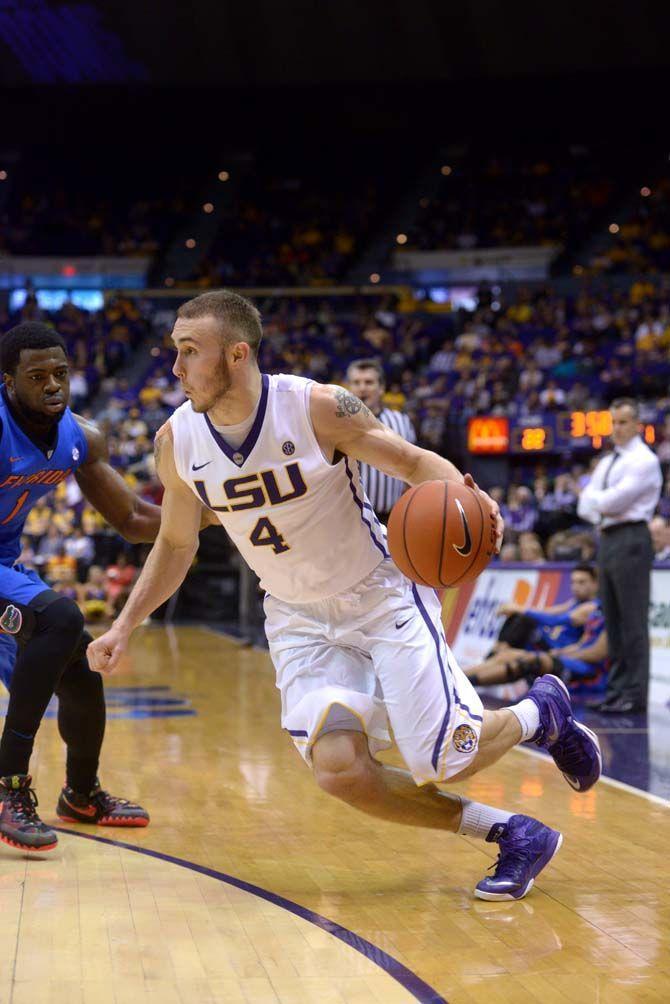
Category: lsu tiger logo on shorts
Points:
column 465, row 739
column 11, row 620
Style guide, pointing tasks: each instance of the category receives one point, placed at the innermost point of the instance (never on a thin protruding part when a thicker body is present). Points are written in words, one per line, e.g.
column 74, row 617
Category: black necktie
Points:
column 615, row 457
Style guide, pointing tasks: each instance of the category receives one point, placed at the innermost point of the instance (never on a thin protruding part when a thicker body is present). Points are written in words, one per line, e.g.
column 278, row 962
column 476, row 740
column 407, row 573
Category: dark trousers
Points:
column 625, row 559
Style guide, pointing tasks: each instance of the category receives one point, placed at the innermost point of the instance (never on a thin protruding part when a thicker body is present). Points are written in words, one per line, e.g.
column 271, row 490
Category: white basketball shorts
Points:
column 373, row 656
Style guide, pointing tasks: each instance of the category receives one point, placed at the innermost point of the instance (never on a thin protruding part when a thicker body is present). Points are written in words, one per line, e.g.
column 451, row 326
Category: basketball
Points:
column 441, row 533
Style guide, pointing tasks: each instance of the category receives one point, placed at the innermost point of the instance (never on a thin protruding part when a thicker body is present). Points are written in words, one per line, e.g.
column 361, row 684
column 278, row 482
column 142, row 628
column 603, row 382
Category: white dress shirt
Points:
column 633, row 486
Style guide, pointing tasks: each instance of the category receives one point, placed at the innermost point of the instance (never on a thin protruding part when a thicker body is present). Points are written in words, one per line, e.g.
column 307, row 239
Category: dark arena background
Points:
column 476, row 198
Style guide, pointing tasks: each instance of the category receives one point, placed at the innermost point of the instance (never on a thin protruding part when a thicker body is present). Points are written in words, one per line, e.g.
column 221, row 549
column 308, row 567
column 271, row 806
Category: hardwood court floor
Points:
column 96, row 923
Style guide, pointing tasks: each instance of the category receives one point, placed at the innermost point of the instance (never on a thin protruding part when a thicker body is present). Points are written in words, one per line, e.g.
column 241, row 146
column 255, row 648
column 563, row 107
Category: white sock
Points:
column 528, row 715
column 483, row 821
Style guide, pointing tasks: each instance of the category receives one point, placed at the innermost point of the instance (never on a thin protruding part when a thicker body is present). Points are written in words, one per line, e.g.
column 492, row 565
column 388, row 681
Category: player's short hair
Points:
column 29, row 335
column 232, row 311
column 587, row 569
column 368, row 364
column 626, row 402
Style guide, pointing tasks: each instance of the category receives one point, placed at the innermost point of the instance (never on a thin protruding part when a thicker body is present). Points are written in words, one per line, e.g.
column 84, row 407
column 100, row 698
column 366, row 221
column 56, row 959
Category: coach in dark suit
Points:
column 365, row 378
column 621, row 498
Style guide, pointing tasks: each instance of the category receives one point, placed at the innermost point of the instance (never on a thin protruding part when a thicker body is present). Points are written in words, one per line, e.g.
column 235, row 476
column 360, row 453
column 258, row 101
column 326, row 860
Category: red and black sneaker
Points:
column 99, row 807
column 20, row 826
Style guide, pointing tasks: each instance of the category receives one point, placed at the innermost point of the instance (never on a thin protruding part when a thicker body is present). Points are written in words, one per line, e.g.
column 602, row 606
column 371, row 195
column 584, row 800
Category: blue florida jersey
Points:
column 28, row 472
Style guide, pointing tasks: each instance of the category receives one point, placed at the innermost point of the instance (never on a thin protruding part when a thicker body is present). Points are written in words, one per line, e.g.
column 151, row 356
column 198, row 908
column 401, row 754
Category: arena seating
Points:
column 536, row 353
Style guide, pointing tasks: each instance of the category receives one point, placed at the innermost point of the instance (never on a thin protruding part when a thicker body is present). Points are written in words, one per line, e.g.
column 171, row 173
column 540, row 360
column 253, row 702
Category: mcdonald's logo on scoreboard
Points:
column 488, row 434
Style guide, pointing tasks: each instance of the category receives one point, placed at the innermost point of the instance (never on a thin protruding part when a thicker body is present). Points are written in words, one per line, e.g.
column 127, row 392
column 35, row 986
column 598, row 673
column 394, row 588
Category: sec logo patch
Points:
column 465, row 739
column 288, row 448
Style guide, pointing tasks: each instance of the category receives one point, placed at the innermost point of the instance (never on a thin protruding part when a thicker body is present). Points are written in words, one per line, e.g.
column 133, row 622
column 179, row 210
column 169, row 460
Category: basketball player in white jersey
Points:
column 356, row 646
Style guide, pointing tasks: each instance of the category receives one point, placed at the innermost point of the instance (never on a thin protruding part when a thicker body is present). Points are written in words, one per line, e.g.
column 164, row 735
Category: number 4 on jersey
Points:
column 266, row 533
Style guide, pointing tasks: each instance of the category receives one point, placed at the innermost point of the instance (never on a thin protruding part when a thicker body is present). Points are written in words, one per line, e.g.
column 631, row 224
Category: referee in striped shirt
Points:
column 365, row 378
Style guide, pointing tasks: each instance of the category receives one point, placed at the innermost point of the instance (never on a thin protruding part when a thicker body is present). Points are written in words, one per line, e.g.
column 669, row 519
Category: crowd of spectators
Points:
column 639, row 243
column 513, row 199
column 289, row 231
column 92, row 204
column 524, row 353
column 98, row 343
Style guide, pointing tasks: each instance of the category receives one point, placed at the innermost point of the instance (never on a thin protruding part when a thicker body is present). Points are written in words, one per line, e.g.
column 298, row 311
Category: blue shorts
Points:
column 19, row 584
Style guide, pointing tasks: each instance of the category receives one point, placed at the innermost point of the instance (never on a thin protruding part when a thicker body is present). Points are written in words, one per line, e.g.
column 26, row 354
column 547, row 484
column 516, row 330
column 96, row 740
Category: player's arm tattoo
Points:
column 348, row 405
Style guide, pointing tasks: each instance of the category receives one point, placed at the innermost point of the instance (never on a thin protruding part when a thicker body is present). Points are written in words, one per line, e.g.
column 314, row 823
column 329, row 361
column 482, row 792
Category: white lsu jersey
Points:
column 304, row 525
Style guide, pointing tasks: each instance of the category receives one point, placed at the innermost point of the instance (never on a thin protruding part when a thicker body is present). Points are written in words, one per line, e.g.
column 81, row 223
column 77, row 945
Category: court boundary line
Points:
column 605, row 779
column 418, row 988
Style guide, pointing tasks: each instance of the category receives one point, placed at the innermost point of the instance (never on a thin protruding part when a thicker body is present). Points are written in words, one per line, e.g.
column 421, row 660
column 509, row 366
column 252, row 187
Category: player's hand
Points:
column 104, row 653
column 507, row 609
column 493, row 506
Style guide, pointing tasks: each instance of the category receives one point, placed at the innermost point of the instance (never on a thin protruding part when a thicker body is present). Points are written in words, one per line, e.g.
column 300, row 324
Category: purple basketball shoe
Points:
column 574, row 748
column 526, row 847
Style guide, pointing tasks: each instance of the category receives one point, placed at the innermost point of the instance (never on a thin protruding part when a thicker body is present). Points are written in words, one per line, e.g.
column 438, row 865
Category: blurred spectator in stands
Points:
column 120, row 578
column 663, row 507
column 64, row 579
column 49, row 545
column 94, row 597
column 62, row 517
column 519, row 511
column 134, row 425
column 531, row 377
column 60, row 567
column 444, row 360
column 78, row 389
column 431, row 429
column 552, row 397
column 27, row 555
column 82, row 549
column 509, row 552
column 660, row 537
column 38, row 520
column 530, row 548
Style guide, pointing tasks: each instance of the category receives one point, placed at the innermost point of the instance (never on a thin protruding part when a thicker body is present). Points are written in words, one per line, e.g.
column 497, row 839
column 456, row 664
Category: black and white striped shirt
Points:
column 384, row 491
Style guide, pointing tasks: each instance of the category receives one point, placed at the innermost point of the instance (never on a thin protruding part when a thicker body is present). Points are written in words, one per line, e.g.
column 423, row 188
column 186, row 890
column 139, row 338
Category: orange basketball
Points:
column 441, row 533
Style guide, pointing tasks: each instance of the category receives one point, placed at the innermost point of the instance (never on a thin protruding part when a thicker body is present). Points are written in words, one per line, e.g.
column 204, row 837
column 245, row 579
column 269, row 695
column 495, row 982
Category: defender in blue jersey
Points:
column 41, row 443
column 554, row 627
column 582, row 665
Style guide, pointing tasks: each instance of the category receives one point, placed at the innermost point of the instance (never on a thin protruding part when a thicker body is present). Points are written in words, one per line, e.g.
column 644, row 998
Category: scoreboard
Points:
column 554, row 432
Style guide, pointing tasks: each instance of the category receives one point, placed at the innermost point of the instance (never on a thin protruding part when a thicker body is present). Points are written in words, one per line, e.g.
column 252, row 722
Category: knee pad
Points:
column 47, row 613
column 62, row 619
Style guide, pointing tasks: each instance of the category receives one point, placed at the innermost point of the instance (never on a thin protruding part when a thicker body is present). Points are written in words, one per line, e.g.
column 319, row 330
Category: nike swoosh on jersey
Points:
column 402, row 624
column 199, row 467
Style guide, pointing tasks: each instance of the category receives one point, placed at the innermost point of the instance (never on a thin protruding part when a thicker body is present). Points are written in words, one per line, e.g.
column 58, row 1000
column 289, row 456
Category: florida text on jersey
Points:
column 27, row 472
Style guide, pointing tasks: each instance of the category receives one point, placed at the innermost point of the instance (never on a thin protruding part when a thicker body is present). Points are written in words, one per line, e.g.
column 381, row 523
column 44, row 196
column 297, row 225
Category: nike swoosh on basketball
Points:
column 402, row 624
column 466, row 546
column 198, row 467
column 89, row 810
